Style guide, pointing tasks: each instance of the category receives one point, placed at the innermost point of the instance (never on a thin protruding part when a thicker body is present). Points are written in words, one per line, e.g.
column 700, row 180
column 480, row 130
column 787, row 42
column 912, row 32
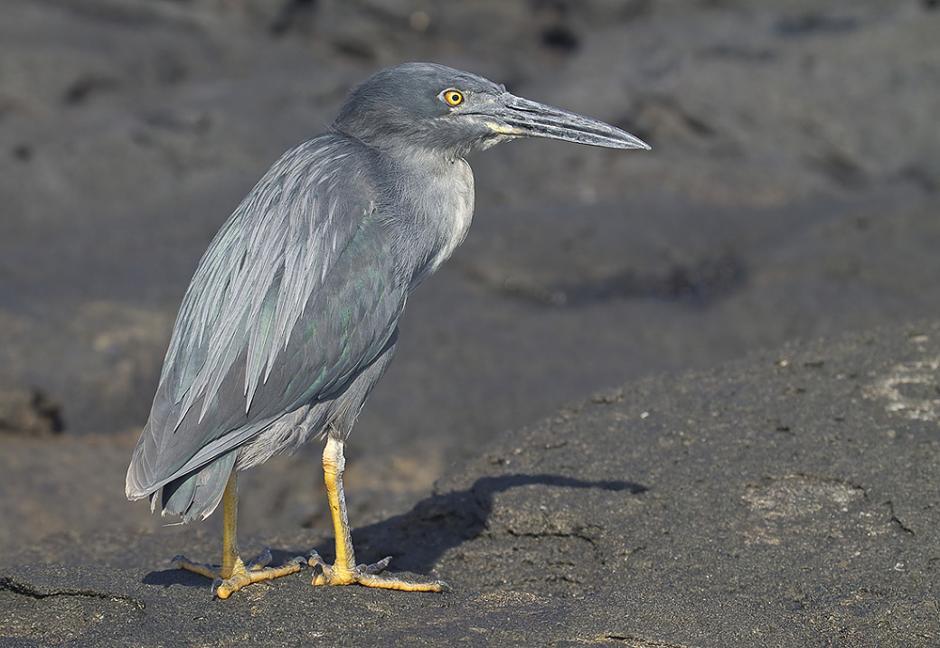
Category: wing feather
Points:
column 271, row 257
column 271, row 248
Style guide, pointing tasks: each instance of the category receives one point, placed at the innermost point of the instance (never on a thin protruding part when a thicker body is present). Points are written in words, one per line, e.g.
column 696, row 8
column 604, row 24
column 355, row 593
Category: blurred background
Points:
column 792, row 192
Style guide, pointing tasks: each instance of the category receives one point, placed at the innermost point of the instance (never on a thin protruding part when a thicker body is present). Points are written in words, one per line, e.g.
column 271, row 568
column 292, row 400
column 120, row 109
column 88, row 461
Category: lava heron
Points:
column 292, row 314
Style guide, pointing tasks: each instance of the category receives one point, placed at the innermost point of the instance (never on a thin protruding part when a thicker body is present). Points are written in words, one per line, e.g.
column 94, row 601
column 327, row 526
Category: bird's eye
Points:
column 453, row 97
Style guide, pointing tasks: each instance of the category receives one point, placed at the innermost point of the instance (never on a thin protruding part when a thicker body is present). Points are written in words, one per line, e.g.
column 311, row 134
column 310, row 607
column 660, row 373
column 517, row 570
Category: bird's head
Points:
column 443, row 109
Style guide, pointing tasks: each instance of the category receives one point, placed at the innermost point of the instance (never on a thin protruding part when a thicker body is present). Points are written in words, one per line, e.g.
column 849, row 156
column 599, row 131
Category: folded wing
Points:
column 246, row 347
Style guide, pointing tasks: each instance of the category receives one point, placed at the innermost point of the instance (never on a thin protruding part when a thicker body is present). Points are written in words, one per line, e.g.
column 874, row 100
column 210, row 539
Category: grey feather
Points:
column 244, row 331
column 268, row 259
column 197, row 494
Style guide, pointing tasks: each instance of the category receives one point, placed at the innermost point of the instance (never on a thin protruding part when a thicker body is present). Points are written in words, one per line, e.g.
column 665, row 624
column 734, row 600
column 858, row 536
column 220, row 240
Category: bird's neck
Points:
column 433, row 192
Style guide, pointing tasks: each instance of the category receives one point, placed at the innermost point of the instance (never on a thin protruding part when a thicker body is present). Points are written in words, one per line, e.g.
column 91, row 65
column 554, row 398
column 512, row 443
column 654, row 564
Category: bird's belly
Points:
column 284, row 435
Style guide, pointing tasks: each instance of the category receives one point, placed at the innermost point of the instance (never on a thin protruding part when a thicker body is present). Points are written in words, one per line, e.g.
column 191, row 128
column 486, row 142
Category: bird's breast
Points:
column 454, row 213
column 443, row 211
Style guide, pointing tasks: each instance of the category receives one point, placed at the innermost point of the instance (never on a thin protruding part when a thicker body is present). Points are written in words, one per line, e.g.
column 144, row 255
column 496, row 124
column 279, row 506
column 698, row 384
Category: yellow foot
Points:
column 242, row 575
column 367, row 576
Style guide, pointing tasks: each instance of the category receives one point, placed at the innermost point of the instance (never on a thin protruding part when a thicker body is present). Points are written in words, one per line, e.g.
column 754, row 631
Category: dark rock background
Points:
column 792, row 192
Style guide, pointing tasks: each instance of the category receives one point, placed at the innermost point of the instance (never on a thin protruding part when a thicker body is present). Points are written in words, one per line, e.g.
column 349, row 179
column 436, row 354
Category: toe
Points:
column 225, row 588
column 391, row 583
column 209, row 571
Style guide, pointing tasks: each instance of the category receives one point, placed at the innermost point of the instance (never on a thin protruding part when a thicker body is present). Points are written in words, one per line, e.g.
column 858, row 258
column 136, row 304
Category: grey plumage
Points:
column 292, row 314
column 231, row 370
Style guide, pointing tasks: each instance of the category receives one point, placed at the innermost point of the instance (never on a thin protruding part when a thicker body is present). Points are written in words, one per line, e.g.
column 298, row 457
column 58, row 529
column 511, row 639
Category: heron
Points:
column 292, row 314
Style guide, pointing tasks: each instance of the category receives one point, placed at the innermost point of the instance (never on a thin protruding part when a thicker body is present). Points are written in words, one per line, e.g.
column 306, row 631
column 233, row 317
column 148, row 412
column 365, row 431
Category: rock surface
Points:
column 787, row 499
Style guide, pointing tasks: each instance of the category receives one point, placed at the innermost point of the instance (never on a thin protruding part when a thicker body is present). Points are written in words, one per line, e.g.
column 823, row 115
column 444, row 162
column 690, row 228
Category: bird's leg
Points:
column 345, row 571
column 234, row 574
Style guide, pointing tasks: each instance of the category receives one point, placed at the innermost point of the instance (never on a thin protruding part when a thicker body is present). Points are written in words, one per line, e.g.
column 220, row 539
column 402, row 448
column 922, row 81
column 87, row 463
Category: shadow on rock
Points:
column 173, row 576
column 417, row 539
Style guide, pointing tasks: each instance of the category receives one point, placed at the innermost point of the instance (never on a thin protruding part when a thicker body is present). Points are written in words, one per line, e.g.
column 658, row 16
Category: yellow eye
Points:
column 453, row 97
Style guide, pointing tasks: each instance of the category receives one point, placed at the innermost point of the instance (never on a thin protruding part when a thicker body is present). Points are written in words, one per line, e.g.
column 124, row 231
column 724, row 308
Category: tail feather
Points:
column 197, row 494
column 139, row 471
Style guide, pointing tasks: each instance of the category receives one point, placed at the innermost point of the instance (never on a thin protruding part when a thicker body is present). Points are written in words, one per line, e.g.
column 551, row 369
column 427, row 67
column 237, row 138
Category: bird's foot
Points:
column 366, row 575
column 242, row 575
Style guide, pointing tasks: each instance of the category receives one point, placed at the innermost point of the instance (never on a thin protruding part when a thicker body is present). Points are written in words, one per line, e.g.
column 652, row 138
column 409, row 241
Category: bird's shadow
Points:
column 417, row 539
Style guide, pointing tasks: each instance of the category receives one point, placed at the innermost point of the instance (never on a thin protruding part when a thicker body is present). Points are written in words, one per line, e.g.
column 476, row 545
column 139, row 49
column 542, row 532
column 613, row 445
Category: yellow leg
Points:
column 345, row 571
column 233, row 574
column 230, row 527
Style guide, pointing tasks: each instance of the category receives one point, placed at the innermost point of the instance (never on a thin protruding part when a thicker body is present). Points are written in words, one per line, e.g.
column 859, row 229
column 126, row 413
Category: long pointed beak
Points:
column 532, row 119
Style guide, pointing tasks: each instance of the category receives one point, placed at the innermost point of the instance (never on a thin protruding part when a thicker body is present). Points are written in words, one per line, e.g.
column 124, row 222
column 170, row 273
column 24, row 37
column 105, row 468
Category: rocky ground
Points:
column 792, row 193
column 787, row 499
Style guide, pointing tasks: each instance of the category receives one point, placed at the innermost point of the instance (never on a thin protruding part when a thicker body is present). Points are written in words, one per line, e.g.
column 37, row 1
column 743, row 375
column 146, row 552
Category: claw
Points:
column 376, row 567
column 261, row 561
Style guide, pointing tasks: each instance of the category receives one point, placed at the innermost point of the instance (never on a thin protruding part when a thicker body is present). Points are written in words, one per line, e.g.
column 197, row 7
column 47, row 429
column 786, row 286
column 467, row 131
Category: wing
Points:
column 276, row 313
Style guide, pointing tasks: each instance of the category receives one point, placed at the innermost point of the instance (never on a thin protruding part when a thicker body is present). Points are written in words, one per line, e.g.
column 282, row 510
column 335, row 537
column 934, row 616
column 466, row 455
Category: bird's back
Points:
column 299, row 291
